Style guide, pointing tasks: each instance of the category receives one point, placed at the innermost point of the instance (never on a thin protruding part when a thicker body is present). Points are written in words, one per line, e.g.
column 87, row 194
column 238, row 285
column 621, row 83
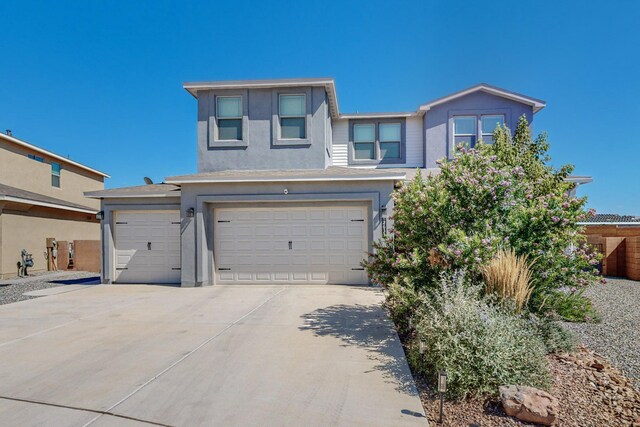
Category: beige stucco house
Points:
column 41, row 195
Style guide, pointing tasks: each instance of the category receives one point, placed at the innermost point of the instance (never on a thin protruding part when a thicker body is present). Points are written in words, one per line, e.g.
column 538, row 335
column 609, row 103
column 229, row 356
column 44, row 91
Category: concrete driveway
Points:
column 226, row 355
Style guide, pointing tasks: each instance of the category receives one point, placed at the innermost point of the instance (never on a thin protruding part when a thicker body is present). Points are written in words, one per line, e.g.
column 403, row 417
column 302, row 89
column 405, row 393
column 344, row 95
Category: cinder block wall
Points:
column 620, row 247
column 87, row 255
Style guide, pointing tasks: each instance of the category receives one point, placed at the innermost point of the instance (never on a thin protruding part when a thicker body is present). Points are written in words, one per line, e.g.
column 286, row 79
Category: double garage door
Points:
column 251, row 245
column 291, row 245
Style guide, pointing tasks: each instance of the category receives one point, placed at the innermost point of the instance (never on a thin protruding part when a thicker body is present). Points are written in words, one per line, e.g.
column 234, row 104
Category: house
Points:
column 41, row 196
column 617, row 238
column 288, row 189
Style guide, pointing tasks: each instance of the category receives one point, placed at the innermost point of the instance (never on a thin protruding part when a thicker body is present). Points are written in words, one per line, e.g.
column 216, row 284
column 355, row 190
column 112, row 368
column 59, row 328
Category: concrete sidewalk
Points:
column 227, row 355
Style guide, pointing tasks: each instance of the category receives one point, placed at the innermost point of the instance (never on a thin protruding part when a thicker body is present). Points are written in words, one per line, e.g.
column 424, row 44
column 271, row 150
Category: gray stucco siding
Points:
column 197, row 237
column 109, row 208
column 261, row 147
column 438, row 121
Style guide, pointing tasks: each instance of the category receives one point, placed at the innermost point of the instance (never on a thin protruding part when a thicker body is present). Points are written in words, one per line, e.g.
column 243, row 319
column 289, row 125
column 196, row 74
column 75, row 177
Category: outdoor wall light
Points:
column 191, row 212
column 100, row 215
column 422, row 347
column 442, row 388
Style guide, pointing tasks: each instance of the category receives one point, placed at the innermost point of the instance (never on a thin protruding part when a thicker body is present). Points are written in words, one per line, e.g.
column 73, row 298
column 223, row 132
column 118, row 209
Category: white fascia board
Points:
column 52, row 155
column 536, row 104
column 131, row 196
column 45, row 204
column 378, row 115
column 231, row 180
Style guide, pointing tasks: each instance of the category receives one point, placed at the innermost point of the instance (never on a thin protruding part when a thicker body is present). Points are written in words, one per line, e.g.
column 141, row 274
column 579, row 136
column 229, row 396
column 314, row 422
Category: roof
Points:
column 332, row 173
column 579, row 179
column 378, row 115
column 151, row 190
column 611, row 219
column 327, row 82
column 537, row 104
column 17, row 195
column 25, row 144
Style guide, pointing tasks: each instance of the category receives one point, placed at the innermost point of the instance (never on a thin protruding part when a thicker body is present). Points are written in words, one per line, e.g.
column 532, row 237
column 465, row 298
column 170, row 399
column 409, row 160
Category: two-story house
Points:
column 289, row 189
column 42, row 196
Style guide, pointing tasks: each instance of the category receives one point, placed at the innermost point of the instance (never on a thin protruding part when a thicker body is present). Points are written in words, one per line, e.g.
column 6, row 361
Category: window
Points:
column 55, row 175
column 292, row 111
column 390, row 136
column 229, row 116
column 364, row 140
column 36, row 158
column 464, row 130
column 489, row 124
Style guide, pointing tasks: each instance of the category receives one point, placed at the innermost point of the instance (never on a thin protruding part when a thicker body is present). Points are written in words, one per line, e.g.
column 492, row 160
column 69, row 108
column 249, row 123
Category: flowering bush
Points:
column 481, row 345
column 496, row 196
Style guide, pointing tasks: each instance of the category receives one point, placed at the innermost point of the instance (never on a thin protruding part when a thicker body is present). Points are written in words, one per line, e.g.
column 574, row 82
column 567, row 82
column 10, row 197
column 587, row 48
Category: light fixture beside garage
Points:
column 286, row 191
column 100, row 215
column 191, row 212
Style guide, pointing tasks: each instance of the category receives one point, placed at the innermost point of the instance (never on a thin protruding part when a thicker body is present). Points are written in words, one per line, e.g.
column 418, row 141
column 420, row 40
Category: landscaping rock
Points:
column 529, row 404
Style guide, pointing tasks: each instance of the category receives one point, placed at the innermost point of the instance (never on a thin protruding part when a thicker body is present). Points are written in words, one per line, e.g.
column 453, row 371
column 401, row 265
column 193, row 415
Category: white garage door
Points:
column 291, row 245
column 147, row 246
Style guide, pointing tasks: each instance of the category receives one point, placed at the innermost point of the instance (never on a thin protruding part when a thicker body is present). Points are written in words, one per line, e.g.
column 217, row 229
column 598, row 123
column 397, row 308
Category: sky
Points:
column 101, row 81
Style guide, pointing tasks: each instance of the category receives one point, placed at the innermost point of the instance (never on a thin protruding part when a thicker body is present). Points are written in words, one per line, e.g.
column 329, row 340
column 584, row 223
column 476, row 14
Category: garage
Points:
column 318, row 245
column 147, row 246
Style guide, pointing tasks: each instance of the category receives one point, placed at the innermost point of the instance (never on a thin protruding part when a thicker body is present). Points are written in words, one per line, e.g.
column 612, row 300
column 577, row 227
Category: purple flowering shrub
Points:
column 500, row 195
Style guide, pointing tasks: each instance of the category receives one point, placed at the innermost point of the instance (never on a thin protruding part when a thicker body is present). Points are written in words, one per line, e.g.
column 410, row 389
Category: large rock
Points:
column 529, row 404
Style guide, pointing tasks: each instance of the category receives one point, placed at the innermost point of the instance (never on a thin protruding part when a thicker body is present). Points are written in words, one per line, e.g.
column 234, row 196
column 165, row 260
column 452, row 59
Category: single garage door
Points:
column 291, row 245
column 147, row 246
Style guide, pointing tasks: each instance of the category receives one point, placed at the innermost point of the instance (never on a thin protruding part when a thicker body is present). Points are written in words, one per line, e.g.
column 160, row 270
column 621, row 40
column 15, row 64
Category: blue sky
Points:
column 100, row 81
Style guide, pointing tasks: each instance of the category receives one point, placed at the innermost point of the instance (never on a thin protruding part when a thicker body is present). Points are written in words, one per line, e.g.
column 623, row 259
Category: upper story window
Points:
column 464, row 130
column 229, row 116
column 292, row 112
column 364, row 142
column 36, row 158
column 489, row 123
column 55, row 174
column 390, row 139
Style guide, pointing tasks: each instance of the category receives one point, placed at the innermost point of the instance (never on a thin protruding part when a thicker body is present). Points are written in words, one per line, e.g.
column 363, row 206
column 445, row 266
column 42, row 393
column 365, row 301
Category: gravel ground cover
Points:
column 13, row 292
column 617, row 337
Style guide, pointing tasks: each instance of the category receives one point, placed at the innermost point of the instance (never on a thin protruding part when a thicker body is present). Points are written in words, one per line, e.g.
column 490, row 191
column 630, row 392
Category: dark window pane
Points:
column 229, row 129
column 55, row 181
column 467, row 141
column 364, row 151
column 292, row 128
column 390, row 150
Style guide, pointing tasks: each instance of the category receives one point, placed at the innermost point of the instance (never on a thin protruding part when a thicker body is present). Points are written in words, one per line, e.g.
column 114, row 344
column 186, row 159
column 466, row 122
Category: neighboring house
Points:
column 288, row 189
column 41, row 196
column 617, row 237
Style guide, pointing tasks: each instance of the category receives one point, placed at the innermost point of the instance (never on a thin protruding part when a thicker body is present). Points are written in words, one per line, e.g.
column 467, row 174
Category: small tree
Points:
column 496, row 196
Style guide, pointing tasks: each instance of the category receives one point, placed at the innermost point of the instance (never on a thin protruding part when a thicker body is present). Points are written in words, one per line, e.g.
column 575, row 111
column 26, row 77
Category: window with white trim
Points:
column 229, row 117
column 489, row 123
column 390, row 140
column 464, row 130
column 55, row 174
column 292, row 111
column 364, row 141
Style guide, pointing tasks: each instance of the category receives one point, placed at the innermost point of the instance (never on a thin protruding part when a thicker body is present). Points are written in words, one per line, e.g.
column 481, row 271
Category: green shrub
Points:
column 492, row 197
column 555, row 337
column 572, row 306
column 479, row 343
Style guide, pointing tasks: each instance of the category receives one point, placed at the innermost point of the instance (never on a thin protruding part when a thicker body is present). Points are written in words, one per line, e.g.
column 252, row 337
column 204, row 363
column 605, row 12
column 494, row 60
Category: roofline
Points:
column 45, row 204
column 537, row 104
column 327, row 82
column 379, row 115
column 128, row 195
column 395, row 177
column 50, row 154
column 609, row 223
column 579, row 179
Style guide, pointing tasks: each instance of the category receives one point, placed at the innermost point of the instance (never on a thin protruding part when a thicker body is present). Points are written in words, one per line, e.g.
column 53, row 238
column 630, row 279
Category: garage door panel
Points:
column 290, row 244
column 136, row 262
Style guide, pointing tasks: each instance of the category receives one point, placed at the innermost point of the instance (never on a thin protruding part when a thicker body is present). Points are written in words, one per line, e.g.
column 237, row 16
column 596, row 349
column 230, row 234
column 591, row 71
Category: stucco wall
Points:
column 438, row 123
column 197, row 232
column 17, row 170
column 261, row 148
column 29, row 230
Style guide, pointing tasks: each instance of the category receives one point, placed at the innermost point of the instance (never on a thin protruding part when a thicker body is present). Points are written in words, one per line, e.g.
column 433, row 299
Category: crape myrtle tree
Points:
column 496, row 196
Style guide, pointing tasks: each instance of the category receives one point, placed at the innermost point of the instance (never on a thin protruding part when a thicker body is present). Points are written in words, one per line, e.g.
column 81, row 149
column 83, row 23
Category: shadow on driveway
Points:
column 94, row 280
column 365, row 326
